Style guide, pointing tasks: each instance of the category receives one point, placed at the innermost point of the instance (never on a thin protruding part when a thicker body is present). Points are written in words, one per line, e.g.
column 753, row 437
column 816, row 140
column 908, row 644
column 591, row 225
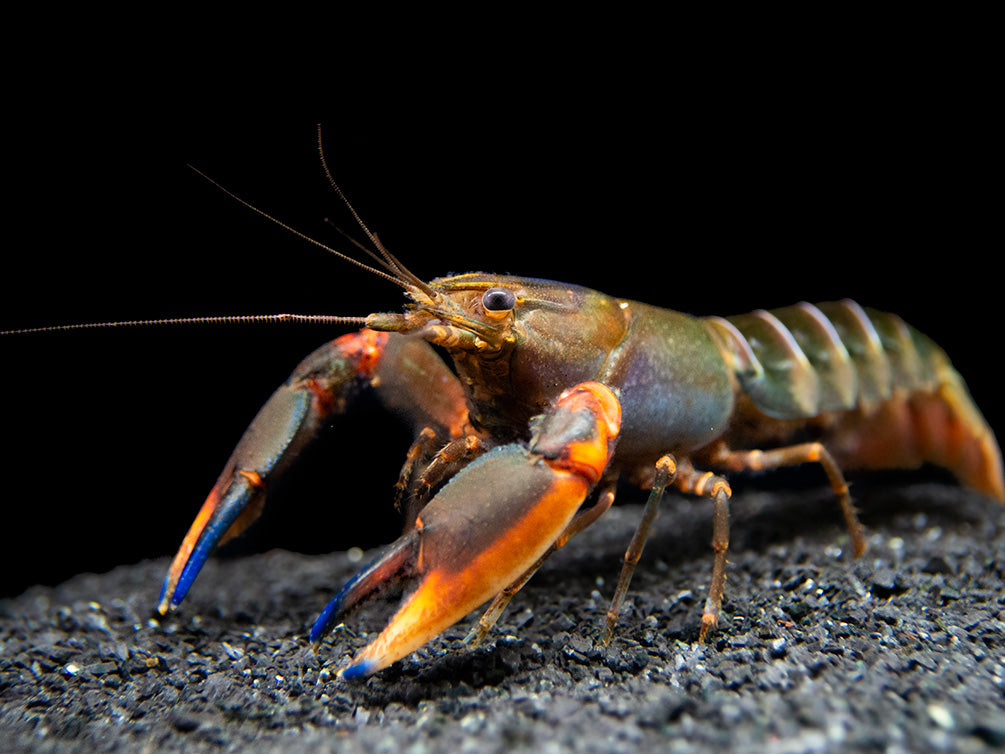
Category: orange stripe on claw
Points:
column 590, row 455
column 185, row 551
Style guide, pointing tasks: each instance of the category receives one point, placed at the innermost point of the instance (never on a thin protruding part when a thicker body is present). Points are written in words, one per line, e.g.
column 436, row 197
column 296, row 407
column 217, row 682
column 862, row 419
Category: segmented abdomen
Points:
column 803, row 360
column 891, row 397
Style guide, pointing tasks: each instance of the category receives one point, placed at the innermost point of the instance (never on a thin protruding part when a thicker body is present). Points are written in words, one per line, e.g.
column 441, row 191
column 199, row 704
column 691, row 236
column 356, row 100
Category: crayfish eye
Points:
column 498, row 302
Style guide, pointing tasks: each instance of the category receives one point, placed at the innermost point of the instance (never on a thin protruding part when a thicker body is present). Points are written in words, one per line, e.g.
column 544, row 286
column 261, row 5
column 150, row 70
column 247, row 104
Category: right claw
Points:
column 490, row 524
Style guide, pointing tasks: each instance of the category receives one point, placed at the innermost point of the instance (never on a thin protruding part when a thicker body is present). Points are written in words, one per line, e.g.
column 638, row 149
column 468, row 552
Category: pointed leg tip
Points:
column 605, row 636
column 708, row 624
column 474, row 638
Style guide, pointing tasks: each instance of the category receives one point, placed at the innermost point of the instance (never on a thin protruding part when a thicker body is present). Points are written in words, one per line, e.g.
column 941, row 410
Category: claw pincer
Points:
column 490, row 524
column 319, row 388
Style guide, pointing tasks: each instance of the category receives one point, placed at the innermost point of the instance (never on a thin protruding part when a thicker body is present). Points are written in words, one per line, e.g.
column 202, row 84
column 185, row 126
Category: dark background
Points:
column 756, row 192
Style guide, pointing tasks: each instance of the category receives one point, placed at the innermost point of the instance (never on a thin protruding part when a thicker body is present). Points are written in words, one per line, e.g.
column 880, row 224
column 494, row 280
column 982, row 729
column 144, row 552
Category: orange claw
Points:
column 487, row 527
column 587, row 455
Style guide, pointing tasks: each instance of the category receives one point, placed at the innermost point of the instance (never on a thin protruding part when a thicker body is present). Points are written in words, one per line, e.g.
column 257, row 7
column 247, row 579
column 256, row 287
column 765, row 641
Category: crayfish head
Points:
column 472, row 313
column 516, row 342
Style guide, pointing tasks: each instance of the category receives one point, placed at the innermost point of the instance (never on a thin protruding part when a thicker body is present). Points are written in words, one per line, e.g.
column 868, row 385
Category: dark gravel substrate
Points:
column 900, row 651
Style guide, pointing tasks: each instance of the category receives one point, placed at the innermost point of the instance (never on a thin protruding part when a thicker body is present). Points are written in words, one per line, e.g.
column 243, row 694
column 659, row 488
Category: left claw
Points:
column 488, row 526
column 404, row 373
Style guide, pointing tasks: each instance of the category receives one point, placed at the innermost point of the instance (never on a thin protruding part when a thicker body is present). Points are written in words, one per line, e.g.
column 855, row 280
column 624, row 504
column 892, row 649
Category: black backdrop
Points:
column 714, row 205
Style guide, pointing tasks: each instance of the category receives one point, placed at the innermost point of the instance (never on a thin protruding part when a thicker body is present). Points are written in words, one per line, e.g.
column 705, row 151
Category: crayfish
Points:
column 555, row 393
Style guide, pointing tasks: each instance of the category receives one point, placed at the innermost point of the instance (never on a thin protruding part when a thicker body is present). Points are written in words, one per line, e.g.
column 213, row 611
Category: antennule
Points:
column 392, row 262
column 290, row 229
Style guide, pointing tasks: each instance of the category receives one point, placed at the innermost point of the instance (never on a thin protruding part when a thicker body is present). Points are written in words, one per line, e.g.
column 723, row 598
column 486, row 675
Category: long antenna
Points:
column 230, row 319
column 392, row 271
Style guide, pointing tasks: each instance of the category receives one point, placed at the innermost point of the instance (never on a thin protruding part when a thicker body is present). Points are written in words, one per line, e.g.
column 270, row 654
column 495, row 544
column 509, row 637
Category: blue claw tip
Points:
column 358, row 670
column 188, row 574
column 225, row 515
column 331, row 613
column 164, row 588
